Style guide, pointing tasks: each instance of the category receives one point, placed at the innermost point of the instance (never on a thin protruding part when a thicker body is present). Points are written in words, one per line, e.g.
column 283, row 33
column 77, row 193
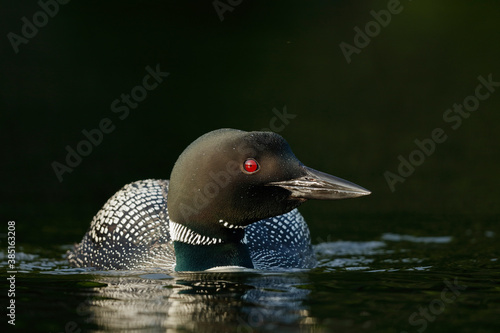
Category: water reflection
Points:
column 241, row 302
column 400, row 271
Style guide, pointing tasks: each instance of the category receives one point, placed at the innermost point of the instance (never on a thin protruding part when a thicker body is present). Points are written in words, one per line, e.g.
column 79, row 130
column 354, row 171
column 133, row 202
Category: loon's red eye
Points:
column 251, row 165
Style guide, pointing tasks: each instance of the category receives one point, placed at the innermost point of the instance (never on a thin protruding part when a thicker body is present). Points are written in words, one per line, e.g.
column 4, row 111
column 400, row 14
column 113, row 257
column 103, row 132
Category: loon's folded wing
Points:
column 130, row 231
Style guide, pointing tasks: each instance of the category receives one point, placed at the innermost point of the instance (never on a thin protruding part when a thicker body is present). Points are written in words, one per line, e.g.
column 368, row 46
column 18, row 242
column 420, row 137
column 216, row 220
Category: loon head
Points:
column 228, row 179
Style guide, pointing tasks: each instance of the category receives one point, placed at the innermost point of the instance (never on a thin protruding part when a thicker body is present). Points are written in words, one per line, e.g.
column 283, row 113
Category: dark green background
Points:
column 352, row 120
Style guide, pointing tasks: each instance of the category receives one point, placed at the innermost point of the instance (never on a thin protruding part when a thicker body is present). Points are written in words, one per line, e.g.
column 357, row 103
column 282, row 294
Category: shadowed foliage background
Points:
column 352, row 120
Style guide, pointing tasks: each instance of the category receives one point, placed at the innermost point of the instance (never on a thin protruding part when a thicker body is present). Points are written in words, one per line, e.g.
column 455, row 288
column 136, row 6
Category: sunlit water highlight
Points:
column 357, row 285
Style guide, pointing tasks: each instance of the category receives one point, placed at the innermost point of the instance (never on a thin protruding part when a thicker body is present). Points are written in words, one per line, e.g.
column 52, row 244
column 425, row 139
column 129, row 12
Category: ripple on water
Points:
column 375, row 256
column 409, row 238
column 337, row 255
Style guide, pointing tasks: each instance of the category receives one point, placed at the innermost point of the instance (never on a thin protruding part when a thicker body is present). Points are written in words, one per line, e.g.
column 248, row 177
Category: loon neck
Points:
column 196, row 252
column 201, row 257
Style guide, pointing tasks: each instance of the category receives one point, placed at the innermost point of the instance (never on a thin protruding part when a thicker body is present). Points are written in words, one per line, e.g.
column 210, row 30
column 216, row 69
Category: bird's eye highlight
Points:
column 251, row 165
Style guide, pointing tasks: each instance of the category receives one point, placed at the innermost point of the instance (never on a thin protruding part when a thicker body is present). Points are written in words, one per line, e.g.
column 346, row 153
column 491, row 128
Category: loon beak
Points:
column 319, row 185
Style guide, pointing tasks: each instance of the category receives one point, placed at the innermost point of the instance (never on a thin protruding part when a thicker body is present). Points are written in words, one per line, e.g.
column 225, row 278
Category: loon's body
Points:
column 132, row 231
column 231, row 201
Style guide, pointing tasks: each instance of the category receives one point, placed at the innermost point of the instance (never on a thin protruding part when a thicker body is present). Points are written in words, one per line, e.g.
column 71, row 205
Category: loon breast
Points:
column 132, row 231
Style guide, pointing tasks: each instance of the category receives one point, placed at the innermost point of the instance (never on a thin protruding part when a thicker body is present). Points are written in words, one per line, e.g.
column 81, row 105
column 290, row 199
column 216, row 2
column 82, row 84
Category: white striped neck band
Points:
column 181, row 233
column 231, row 226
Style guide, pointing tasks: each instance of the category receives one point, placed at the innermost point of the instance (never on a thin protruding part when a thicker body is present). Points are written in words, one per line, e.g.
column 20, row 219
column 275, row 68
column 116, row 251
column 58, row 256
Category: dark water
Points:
column 391, row 283
column 386, row 261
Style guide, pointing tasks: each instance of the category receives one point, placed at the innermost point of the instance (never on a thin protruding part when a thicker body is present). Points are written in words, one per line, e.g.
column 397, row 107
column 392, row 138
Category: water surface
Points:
column 392, row 283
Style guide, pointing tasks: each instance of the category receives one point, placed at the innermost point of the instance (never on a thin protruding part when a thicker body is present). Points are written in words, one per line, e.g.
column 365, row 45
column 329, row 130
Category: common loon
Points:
column 232, row 199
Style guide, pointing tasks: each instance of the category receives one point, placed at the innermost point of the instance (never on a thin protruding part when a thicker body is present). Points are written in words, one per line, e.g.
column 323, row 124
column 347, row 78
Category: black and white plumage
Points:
column 231, row 201
column 132, row 231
